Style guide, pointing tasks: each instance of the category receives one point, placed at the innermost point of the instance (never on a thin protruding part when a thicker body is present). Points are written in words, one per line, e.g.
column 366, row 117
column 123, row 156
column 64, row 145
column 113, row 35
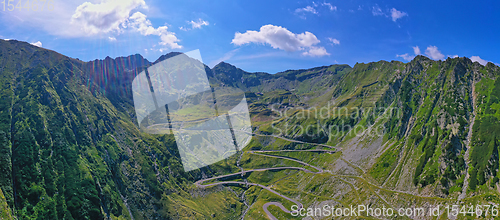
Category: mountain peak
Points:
column 228, row 68
column 421, row 57
column 166, row 56
column 223, row 64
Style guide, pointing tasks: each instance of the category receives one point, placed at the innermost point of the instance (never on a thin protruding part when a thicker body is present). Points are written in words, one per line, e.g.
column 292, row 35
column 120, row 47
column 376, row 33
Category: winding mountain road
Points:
column 286, row 139
column 200, row 184
column 265, row 206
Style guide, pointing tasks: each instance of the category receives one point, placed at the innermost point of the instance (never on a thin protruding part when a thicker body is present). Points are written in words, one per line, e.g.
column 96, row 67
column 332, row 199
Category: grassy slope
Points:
column 95, row 161
column 5, row 212
column 420, row 159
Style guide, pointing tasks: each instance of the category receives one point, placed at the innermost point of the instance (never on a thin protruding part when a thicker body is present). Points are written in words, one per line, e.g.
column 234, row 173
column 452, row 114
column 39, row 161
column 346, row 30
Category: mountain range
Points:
column 416, row 134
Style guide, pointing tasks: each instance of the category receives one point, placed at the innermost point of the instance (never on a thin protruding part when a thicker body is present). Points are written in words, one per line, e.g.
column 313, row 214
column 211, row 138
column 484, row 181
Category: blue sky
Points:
column 268, row 36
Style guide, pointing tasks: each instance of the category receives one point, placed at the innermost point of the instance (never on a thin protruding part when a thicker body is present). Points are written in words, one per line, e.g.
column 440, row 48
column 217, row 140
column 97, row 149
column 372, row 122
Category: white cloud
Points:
column 104, row 17
column 281, row 38
column 195, row 24
column 38, row 44
column 395, row 14
column 114, row 16
column 479, row 60
column 416, row 50
column 56, row 22
column 278, row 37
column 330, row 6
column 334, row 41
column 434, row 53
column 316, row 52
column 139, row 22
column 376, row 11
column 198, row 24
column 170, row 40
column 406, row 56
column 431, row 51
column 307, row 9
column 313, row 9
column 91, row 19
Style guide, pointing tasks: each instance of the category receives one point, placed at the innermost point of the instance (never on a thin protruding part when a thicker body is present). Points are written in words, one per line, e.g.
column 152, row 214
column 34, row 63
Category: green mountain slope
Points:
column 387, row 134
column 429, row 131
column 70, row 148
